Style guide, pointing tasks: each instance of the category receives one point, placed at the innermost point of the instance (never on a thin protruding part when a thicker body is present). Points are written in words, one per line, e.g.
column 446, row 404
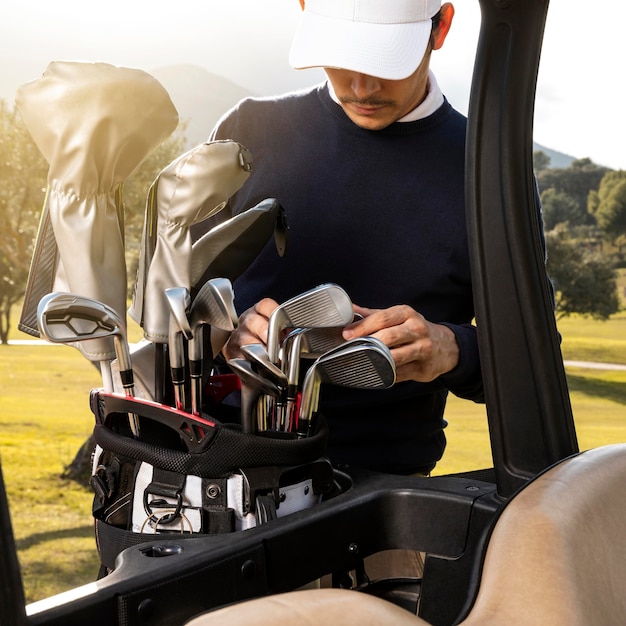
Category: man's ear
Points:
column 445, row 21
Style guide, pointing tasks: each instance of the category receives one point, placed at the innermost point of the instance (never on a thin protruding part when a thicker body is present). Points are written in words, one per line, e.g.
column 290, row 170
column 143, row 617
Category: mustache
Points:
column 366, row 102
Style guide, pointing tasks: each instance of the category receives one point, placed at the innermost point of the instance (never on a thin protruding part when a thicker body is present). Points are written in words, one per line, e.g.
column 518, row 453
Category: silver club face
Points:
column 253, row 386
column 362, row 364
column 69, row 318
column 213, row 307
column 214, row 304
column 257, row 355
column 325, row 305
column 179, row 301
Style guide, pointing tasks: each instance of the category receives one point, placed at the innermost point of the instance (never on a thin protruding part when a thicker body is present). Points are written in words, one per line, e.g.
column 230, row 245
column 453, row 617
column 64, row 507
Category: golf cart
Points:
column 537, row 539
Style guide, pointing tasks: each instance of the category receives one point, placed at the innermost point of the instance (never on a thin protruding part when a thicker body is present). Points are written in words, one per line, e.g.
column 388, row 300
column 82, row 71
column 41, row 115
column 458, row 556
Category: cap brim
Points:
column 388, row 51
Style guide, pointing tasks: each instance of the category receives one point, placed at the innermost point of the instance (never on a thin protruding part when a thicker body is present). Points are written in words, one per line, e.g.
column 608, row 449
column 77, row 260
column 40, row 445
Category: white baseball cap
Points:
column 382, row 38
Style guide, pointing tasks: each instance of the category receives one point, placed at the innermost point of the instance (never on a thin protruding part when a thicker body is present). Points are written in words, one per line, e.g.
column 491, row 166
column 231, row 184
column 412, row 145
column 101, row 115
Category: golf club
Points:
column 67, row 318
column 291, row 350
column 257, row 355
column 213, row 306
column 300, row 343
column 365, row 364
column 325, row 305
column 178, row 300
column 315, row 342
column 253, row 385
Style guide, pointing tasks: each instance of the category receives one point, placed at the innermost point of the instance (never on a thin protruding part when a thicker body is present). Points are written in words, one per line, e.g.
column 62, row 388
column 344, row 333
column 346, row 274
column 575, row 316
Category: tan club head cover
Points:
column 193, row 187
column 94, row 123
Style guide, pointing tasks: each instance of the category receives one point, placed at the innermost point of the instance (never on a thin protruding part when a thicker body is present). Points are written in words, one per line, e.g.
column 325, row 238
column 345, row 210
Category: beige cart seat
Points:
column 557, row 556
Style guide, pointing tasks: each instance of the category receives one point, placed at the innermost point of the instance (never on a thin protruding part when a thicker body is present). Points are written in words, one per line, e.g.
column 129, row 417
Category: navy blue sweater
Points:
column 382, row 214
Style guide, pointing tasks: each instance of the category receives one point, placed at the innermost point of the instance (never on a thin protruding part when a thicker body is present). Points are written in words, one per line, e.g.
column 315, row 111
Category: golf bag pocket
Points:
column 190, row 476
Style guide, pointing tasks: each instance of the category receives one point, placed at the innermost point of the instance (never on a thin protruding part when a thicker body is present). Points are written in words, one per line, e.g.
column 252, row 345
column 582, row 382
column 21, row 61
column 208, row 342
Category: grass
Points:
column 598, row 397
column 45, row 418
column 598, row 400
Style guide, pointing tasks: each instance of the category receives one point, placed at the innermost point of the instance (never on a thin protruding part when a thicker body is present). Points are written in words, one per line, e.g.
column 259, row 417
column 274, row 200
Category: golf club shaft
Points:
column 128, row 384
column 107, row 375
column 177, row 365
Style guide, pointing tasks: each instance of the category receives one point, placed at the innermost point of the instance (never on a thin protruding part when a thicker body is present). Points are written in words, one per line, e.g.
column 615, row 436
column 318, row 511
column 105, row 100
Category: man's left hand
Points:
column 421, row 349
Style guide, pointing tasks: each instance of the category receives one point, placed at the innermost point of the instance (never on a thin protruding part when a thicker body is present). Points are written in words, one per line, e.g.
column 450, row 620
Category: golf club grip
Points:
column 303, row 428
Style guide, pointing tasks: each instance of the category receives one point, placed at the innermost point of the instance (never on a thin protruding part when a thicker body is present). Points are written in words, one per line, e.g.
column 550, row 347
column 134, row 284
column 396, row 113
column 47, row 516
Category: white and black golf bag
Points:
column 190, row 476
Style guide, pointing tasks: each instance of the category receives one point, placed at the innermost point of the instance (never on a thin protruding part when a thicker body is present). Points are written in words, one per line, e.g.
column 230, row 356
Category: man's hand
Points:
column 252, row 328
column 421, row 350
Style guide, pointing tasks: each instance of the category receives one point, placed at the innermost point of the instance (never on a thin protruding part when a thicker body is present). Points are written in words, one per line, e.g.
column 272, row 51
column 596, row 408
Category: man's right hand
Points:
column 252, row 328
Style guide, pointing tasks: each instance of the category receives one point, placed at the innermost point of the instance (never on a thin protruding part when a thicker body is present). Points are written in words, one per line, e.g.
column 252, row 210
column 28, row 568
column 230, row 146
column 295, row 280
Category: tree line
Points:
column 584, row 214
column 584, row 211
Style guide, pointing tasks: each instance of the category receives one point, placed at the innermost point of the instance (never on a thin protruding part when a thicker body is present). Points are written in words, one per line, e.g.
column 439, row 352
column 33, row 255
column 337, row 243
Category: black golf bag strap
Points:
column 164, row 485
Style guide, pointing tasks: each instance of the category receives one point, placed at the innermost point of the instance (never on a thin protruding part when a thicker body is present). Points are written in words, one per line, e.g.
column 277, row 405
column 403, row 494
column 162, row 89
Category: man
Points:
column 370, row 169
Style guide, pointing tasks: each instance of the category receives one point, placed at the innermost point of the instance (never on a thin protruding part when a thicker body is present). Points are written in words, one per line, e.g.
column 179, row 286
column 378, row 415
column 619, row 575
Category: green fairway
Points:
column 588, row 340
column 598, row 400
column 598, row 397
column 45, row 417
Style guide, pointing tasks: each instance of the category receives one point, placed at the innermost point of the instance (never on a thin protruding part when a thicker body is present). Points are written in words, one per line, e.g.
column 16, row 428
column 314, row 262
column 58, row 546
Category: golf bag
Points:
column 189, row 475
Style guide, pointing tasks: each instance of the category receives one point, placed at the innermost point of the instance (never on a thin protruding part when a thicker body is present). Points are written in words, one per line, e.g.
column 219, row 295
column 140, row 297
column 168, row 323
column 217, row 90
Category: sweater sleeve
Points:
column 465, row 380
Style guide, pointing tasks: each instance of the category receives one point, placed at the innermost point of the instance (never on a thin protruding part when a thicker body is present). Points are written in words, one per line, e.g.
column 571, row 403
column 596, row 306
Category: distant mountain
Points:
column 557, row 159
column 200, row 97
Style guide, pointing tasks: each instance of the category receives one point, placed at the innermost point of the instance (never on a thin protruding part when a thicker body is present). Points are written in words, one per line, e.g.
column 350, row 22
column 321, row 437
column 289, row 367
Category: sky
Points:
column 580, row 98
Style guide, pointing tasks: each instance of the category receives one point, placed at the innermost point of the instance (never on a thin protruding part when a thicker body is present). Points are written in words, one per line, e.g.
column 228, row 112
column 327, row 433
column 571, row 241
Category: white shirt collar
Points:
column 434, row 99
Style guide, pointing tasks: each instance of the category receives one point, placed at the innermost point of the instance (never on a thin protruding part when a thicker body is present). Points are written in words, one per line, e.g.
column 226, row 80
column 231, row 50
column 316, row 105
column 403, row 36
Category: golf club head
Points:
column 365, row 363
column 179, row 329
column 252, row 377
column 325, row 305
column 318, row 341
column 253, row 385
column 309, row 343
column 214, row 305
column 257, row 355
column 368, row 340
column 68, row 318
column 179, row 301
column 274, row 409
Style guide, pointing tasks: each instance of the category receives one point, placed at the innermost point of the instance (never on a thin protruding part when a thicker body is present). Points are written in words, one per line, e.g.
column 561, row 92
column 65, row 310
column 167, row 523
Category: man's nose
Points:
column 364, row 86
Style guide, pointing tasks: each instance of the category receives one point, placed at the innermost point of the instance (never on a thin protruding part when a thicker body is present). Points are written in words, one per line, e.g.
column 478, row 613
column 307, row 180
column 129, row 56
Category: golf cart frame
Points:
column 449, row 517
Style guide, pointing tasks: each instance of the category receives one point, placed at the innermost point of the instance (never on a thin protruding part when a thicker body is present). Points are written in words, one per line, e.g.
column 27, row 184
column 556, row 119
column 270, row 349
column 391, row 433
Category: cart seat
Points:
column 557, row 556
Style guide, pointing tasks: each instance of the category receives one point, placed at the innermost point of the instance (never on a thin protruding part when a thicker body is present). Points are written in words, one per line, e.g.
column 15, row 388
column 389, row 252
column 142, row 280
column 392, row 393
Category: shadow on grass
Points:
column 66, row 533
column 615, row 391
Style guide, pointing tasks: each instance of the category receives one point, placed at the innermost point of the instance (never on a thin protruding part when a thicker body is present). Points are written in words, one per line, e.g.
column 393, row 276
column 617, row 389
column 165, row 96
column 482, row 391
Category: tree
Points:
column 22, row 188
column 559, row 207
column 576, row 181
column 584, row 281
column 541, row 161
column 608, row 205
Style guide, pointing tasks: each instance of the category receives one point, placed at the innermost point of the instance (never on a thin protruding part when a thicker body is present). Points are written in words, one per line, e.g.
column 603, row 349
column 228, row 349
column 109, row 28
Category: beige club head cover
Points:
column 94, row 123
column 193, row 187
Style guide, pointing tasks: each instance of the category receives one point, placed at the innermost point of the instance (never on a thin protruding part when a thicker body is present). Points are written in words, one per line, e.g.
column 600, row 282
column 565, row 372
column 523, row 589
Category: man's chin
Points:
column 370, row 122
